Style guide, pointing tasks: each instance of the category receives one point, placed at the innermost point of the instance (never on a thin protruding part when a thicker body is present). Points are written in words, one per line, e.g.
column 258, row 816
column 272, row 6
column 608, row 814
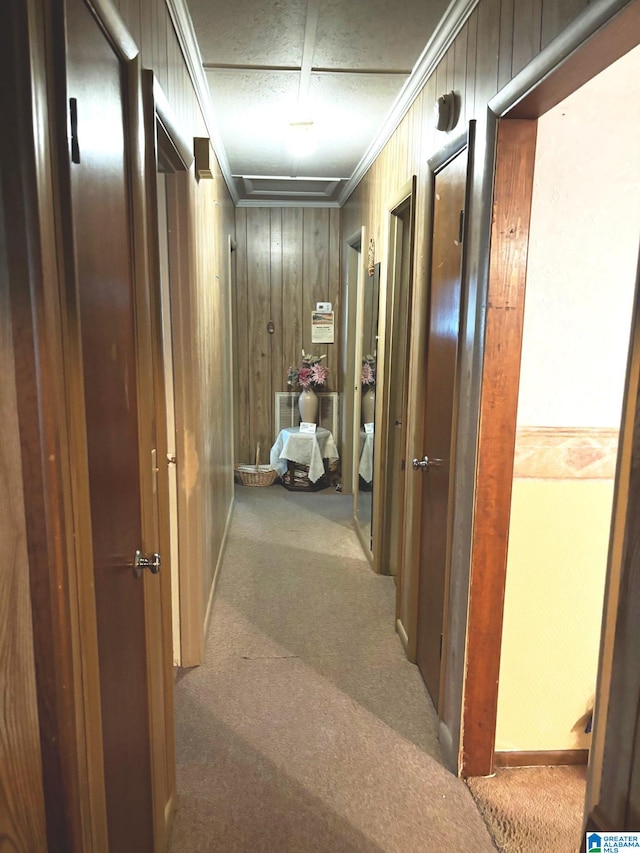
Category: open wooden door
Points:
column 115, row 413
column 435, row 463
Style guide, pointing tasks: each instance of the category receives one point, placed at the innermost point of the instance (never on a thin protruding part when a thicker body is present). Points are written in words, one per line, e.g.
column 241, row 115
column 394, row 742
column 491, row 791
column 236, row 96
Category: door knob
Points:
column 422, row 464
column 140, row 562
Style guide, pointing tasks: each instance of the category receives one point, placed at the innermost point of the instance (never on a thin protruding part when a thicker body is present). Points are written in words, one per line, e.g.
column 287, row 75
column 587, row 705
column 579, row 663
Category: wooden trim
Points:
column 617, row 545
column 111, row 22
column 496, row 441
column 415, row 407
column 63, row 606
column 541, row 758
column 216, row 573
column 404, row 639
column 449, row 26
column 381, row 516
column 182, row 260
column 167, row 122
column 604, row 32
column 598, row 822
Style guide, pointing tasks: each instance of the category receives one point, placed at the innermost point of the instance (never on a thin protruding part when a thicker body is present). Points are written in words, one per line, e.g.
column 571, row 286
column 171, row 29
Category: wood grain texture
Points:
column 241, row 340
column 496, row 444
column 288, row 260
column 22, row 816
column 67, row 758
column 542, row 758
column 618, row 803
column 214, row 225
column 527, row 33
column 490, row 70
column 505, row 55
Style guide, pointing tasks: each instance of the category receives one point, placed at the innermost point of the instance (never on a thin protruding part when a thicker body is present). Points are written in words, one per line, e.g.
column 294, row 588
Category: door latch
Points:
column 423, row 464
column 140, row 562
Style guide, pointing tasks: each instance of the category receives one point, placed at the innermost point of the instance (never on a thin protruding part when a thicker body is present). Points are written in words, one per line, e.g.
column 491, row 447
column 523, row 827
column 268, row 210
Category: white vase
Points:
column 368, row 405
column 308, row 406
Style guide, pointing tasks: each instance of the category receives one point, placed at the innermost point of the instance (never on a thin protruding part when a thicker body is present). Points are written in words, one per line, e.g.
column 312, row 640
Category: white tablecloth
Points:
column 365, row 469
column 305, row 448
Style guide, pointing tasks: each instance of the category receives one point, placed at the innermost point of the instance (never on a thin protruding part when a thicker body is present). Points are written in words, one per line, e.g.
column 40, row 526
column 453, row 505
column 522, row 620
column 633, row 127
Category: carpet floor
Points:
column 533, row 809
column 306, row 728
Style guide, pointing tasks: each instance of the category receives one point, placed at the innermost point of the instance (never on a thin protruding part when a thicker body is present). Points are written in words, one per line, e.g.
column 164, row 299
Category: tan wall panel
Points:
column 214, row 222
column 288, row 259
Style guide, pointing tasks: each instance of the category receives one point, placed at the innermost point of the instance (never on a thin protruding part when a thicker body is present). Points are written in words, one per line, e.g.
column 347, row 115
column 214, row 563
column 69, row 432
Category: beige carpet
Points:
column 533, row 809
column 307, row 729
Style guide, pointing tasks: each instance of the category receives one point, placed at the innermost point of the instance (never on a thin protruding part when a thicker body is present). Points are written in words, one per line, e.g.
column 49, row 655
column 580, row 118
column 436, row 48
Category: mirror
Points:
column 366, row 380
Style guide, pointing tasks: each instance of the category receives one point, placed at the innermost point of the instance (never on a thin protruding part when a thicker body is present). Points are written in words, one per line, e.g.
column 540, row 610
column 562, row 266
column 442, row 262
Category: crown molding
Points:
column 181, row 20
column 286, row 203
column 453, row 20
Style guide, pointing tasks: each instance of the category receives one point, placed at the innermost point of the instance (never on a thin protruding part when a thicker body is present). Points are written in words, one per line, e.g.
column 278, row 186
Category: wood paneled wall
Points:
column 50, row 761
column 497, row 41
column 214, row 225
column 22, row 815
column 209, row 320
column 287, row 260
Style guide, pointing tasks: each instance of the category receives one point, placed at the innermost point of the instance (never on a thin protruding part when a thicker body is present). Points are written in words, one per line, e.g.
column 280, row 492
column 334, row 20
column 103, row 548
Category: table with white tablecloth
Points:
column 304, row 448
column 365, row 468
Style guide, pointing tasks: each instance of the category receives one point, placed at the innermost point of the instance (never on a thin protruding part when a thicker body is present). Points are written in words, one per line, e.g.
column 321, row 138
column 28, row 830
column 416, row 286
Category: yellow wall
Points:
column 555, row 581
column 580, row 288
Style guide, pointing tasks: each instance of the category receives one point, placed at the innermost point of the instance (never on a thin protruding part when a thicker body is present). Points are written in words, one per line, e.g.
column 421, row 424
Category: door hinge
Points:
column 461, row 227
column 440, row 655
column 73, row 122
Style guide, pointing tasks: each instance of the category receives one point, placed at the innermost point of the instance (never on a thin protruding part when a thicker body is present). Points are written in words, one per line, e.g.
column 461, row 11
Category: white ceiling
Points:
column 338, row 63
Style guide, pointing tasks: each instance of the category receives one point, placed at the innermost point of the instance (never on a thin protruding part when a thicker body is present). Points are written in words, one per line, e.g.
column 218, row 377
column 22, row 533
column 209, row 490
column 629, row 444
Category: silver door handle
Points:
column 140, row 563
column 422, row 464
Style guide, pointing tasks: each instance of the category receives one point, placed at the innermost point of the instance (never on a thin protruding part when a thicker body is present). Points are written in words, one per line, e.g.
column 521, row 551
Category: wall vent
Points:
column 287, row 414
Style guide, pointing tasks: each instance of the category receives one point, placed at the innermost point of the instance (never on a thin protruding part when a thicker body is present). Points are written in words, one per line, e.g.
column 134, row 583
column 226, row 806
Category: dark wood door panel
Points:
column 442, row 351
column 102, row 238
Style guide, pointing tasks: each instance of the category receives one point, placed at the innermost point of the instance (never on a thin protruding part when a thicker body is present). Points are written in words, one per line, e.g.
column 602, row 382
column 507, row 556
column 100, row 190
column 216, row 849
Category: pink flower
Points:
column 319, row 374
column 368, row 375
column 305, row 377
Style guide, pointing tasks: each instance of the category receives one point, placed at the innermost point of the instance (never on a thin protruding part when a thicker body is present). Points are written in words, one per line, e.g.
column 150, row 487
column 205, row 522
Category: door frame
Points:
column 164, row 143
column 381, row 517
column 408, row 628
column 128, row 54
column 62, row 608
column 603, row 33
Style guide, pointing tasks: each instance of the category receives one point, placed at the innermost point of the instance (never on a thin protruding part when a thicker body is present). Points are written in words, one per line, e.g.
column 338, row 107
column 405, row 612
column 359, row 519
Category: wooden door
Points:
column 403, row 221
column 116, row 368
column 442, row 355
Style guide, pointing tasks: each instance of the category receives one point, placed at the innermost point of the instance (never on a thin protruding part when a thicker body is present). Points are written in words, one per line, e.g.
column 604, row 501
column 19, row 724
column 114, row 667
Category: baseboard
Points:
column 223, row 548
column 404, row 639
column 449, row 754
column 598, row 822
column 541, row 758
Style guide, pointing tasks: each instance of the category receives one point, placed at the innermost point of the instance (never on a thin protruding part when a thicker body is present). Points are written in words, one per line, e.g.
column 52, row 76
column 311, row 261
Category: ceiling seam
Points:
column 296, row 69
column 454, row 18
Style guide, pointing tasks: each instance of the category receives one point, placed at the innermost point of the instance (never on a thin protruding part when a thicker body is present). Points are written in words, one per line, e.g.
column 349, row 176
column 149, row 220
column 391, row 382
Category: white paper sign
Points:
column 307, row 428
column 368, row 428
column 322, row 327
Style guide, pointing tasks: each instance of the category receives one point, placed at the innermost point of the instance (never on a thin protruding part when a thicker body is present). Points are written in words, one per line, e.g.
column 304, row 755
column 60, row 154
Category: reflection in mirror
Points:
column 367, row 403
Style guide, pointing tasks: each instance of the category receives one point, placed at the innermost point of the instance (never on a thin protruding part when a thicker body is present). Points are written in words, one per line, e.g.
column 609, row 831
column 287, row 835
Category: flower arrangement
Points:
column 310, row 373
column 368, row 373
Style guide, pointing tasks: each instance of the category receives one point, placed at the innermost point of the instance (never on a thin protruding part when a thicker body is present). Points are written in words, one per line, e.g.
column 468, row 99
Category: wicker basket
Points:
column 256, row 475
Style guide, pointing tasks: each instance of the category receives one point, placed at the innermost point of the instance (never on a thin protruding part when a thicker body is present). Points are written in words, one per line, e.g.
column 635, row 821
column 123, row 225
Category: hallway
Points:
column 306, row 729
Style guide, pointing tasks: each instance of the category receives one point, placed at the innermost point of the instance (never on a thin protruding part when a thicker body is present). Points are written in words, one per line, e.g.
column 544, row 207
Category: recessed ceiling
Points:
column 341, row 65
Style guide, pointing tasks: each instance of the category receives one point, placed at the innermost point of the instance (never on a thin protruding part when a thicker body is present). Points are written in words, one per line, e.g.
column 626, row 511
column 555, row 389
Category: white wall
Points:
column 583, row 254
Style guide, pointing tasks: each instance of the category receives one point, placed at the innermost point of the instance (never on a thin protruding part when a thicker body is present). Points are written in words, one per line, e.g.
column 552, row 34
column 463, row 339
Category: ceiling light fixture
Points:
column 301, row 138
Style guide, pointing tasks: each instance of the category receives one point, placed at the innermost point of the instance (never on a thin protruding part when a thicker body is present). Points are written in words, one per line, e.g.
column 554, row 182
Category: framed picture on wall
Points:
column 322, row 326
